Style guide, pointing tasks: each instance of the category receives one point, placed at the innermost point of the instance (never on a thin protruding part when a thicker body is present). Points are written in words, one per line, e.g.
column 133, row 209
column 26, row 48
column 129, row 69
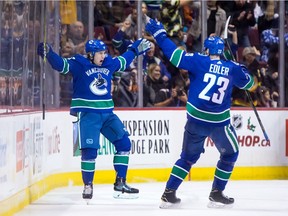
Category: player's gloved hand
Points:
column 156, row 29
column 43, row 49
column 140, row 46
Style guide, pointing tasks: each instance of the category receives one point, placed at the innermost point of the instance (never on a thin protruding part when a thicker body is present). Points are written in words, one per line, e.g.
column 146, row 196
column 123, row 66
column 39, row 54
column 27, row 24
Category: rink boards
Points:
column 36, row 154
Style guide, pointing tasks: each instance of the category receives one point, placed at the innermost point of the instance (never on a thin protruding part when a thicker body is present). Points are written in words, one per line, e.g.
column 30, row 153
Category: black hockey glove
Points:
column 156, row 29
column 43, row 49
column 140, row 46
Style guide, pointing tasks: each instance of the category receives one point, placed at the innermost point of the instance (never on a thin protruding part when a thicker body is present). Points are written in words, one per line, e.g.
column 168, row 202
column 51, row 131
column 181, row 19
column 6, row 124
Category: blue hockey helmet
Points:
column 93, row 46
column 215, row 45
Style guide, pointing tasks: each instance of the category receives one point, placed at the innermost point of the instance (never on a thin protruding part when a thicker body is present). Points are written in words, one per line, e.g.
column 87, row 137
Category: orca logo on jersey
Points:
column 98, row 86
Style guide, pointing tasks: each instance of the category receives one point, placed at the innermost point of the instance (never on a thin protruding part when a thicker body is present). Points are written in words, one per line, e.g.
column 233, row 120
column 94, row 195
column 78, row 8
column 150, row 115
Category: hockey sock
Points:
column 88, row 165
column 179, row 172
column 88, row 169
column 120, row 162
column 223, row 171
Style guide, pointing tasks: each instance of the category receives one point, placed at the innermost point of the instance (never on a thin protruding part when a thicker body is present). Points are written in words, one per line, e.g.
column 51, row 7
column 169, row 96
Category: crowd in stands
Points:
column 253, row 37
column 12, row 49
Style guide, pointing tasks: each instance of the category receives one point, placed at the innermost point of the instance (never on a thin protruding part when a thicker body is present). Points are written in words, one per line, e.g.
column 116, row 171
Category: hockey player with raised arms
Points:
column 208, row 112
column 93, row 105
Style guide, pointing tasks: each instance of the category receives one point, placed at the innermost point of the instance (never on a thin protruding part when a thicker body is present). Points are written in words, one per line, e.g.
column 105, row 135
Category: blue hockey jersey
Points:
column 211, row 83
column 91, row 83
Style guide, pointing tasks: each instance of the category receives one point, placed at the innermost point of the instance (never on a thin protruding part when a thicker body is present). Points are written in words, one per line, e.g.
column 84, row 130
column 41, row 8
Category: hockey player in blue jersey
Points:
column 93, row 105
column 208, row 112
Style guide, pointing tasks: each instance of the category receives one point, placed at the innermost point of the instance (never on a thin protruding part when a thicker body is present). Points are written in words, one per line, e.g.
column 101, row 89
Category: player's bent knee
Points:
column 123, row 145
column 191, row 159
column 230, row 159
column 88, row 154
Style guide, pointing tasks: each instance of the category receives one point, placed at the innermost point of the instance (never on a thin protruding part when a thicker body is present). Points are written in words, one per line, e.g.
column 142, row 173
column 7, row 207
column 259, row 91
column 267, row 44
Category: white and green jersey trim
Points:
column 250, row 84
column 176, row 57
column 232, row 138
column 65, row 67
column 79, row 103
column 123, row 63
column 208, row 117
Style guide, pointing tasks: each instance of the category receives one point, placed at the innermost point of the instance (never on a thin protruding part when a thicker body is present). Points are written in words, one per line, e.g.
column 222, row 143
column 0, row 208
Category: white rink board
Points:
column 32, row 148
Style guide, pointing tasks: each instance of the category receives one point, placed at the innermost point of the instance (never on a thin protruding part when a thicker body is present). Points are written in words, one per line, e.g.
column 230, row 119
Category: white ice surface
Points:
column 252, row 198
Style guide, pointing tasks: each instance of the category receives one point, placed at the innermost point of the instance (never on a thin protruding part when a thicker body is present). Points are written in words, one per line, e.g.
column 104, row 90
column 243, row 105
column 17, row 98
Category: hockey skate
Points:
column 124, row 191
column 87, row 193
column 218, row 200
column 169, row 199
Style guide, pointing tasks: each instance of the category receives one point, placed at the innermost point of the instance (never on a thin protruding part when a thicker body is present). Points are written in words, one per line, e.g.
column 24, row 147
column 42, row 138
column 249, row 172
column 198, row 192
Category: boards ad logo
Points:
column 237, row 121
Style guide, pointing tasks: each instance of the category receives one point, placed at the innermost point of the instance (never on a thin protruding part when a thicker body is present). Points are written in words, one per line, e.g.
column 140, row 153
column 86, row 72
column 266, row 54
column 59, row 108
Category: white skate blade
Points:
column 87, row 201
column 120, row 195
column 168, row 205
column 219, row 205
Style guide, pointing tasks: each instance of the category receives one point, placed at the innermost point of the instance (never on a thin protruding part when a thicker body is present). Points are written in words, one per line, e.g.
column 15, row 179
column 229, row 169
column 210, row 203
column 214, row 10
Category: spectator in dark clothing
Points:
column 179, row 91
column 243, row 18
column 123, row 92
column 269, row 19
column 120, row 40
column 150, row 57
column 216, row 18
column 239, row 96
column 265, row 99
column 272, row 74
column 155, row 83
column 6, row 35
column 103, row 16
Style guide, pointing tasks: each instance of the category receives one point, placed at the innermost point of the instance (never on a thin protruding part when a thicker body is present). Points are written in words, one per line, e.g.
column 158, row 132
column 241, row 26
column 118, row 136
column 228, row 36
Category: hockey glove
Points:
column 43, row 49
column 140, row 46
column 156, row 29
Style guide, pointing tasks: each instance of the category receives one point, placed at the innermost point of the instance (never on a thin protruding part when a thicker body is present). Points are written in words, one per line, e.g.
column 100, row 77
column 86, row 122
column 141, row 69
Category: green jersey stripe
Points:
column 122, row 63
column 94, row 104
column 207, row 116
column 176, row 57
column 232, row 138
column 249, row 84
column 66, row 67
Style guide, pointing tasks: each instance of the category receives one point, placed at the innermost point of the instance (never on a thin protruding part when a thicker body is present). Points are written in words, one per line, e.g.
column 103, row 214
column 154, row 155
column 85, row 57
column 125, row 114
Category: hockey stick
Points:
column 44, row 62
column 247, row 93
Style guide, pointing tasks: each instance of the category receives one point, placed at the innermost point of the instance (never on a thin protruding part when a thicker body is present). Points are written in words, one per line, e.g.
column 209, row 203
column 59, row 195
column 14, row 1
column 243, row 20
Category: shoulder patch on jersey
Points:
column 244, row 68
column 202, row 54
column 71, row 58
column 236, row 63
column 189, row 54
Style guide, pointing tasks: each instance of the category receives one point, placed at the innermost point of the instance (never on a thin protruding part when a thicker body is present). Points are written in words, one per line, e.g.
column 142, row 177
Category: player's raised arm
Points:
column 45, row 51
column 157, row 30
column 169, row 48
column 135, row 49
